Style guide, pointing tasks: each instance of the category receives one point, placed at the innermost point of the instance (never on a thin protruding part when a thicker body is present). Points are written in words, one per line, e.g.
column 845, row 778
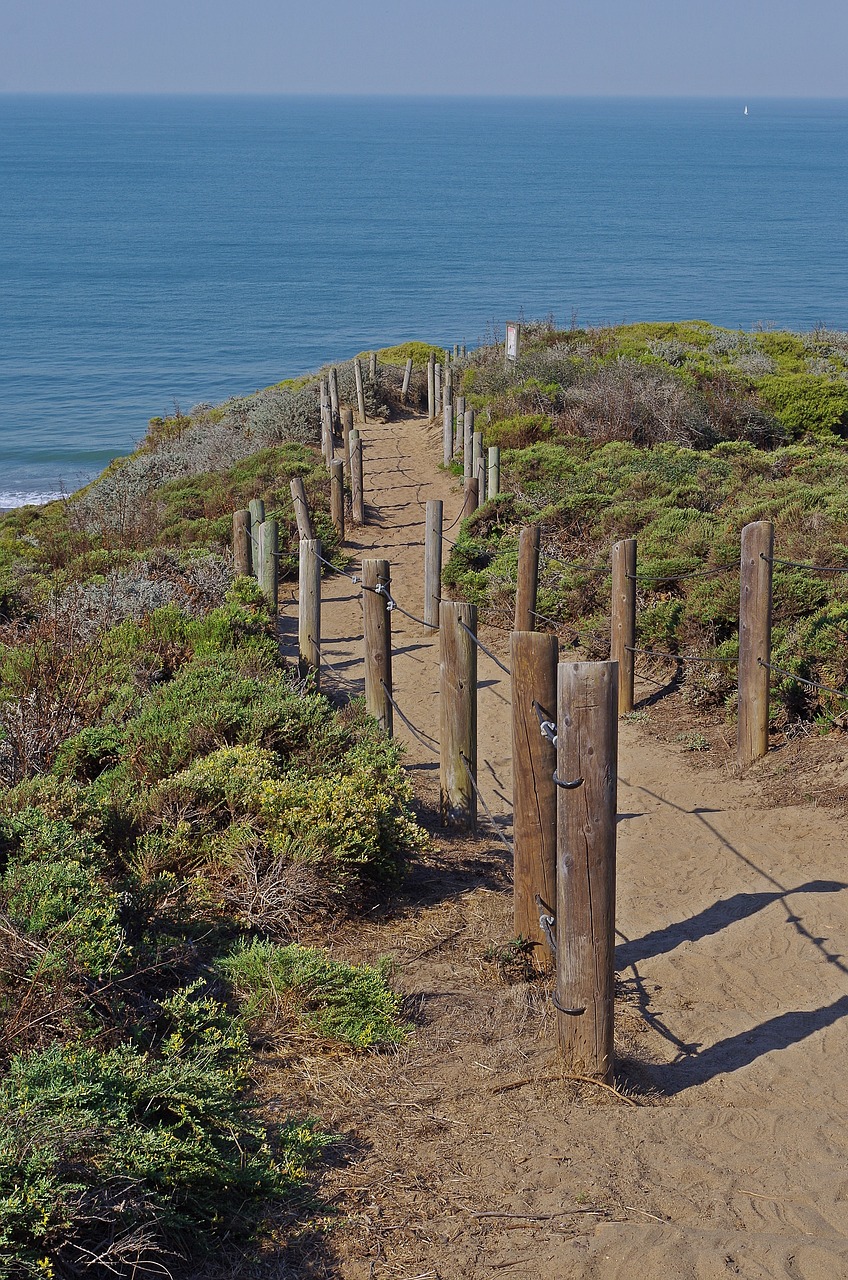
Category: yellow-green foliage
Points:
column 351, row 1004
column 418, row 352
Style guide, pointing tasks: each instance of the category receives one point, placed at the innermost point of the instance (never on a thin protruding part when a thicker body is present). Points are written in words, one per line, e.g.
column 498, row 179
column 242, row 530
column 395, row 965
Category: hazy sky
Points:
column 739, row 47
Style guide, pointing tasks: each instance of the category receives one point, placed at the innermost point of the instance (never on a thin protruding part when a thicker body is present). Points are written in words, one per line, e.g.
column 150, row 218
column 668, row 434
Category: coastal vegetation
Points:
column 177, row 808
column 677, row 434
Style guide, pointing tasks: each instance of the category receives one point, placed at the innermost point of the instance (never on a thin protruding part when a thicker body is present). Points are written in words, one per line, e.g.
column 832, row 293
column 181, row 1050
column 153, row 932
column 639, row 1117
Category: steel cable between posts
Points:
column 581, row 636
column 392, row 605
column 811, row 684
column 799, row 564
column 485, row 649
column 352, row 577
column 325, row 662
column 681, row 657
column 417, row 733
column 506, row 843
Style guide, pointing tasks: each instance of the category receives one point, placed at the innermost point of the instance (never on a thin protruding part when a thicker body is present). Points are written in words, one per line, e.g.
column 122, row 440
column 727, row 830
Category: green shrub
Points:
column 351, row 1004
column 133, row 1155
column 807, row 404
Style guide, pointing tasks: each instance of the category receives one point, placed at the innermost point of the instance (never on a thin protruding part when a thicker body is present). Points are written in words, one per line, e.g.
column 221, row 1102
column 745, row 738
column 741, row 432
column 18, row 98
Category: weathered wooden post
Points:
column 432, row 562
column 458, row 715
column 587, row 750
column 462, row 351
column 471, row 497
column 623, row 619
column 480, row 477
column 372, row 366
column 337, row 511
column 242, row 548
column 269, row 563
column 360, row 394
column 357, row 487
column 301, row 508
column 347, row 427
column 257, row 515
column 476, row 451
column 437, row 387
column 431, row 388
column 334, row 397
column 456, row 351
column 447, row 434
column 527, row 585
column 533, row 667
column 326, row 424
column 309, row 610
column 493, row 486
column 460, row 424
column 407, row 374
column 468, row 443
column 755, row 597
column 378, row 641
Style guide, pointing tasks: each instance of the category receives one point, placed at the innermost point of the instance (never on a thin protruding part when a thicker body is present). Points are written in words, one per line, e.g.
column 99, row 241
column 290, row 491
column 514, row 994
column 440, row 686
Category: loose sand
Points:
column 468, row 1154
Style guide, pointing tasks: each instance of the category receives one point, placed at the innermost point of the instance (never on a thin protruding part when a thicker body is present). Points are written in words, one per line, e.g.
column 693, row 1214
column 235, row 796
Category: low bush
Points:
column 294, row 985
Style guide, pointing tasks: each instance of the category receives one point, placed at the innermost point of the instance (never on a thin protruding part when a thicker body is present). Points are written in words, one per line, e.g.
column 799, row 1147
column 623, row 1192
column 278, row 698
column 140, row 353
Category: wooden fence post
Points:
column 459, row 436
column 257, row 515
column 458, row 715
column 269, row 563
column 462, row 351
column 493, row 486
column 527, row 585
column 326, row 423
column 309, row 610
column 533, row 667
column 301, row 508
column 755, row 597
column 431, row 388
column 357, row 487
column 407, row 374
column 447, row 434
column 480, row 477
column 372, row 366
column 587, row 749
column 347, row 427
column 334, row 397
column 378, row 641
column 242, row 549
column 471, row 497
column 360, row 394
column 337, row 512
column 437, row 387
column 468, row 443
column 476, row 451
column 432, row 562
column 623, row 619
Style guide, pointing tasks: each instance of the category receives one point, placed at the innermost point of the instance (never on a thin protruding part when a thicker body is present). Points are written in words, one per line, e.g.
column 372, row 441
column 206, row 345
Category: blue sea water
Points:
column 184, row 249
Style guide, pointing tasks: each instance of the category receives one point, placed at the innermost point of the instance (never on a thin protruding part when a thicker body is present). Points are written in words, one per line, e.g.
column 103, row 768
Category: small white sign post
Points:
column 513, row 335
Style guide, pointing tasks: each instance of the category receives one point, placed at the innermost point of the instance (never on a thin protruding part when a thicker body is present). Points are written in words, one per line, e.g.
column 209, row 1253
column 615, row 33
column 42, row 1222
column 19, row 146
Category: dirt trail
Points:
column 468, row 1155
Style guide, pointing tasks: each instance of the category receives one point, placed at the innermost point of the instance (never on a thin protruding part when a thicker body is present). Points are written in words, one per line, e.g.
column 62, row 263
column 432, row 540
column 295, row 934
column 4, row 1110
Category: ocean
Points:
column 171, row 250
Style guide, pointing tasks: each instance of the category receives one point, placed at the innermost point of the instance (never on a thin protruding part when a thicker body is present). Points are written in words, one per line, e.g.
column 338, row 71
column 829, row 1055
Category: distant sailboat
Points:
column 745, row 112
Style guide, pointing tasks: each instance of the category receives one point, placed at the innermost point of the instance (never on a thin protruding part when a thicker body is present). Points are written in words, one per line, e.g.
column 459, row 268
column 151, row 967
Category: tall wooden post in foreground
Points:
column 309, row 609
column 242, row 549
column 623, row 619
column 458, row 710
column 378, row 642
column 431, row 388
column 527, row 585
column 432, row 562
column 493, row 485
column 755, row 595
column 533, row 665
column 587, row 748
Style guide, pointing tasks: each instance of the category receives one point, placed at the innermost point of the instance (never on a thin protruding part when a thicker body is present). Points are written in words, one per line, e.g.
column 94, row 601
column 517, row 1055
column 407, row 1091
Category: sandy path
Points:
column 733, row 1003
